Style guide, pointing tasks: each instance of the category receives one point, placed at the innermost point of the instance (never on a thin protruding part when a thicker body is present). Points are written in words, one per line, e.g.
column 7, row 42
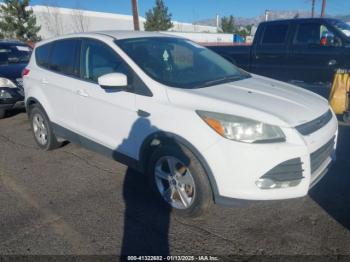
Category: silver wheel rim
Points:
column 39, row 128
column 175, row 182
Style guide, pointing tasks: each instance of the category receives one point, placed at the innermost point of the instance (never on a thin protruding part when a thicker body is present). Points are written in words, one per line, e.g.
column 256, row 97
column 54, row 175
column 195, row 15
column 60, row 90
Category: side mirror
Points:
column 113, row 80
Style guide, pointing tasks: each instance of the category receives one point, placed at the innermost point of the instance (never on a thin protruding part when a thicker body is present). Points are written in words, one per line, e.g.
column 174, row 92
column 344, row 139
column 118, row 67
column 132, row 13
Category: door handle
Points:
column 332, row 62
column 142, row 113
column 83, row 93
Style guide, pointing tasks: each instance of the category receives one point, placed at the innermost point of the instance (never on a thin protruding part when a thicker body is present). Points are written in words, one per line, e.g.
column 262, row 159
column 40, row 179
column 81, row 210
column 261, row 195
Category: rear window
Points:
column 42, row 55
column 14, row 54
column 59, row 56
column 64, row 57
column 275, row 34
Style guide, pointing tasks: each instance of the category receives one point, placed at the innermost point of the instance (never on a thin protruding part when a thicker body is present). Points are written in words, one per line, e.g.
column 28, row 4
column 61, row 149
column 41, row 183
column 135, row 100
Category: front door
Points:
column 104, row 116
column 316, row 53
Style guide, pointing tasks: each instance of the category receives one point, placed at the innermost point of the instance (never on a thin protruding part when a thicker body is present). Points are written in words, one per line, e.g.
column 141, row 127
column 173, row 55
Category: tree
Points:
column 81, row 22
column 228, row 24
column 18, row 21
column 158, row 18
column 244, row 31
column 52, row 18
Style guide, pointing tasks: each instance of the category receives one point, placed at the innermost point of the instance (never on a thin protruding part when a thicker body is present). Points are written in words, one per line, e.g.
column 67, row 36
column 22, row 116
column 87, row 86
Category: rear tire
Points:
column 42, row 129
column 2, row 113
column 185, row 189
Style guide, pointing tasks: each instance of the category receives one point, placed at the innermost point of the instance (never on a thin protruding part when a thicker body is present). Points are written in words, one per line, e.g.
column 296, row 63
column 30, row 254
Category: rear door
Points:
column 57, row 76
column 316, row 52
column 270, row 53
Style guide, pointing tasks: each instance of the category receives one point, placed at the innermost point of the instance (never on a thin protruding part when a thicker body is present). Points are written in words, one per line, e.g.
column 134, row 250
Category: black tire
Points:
column 51, row 140
column 2, row 113
column 203, row 197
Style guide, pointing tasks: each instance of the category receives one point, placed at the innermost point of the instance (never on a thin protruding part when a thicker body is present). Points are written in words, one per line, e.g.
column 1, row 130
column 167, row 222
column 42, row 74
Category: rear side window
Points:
column 64, row 57
column 42, row 55
column 275, row 34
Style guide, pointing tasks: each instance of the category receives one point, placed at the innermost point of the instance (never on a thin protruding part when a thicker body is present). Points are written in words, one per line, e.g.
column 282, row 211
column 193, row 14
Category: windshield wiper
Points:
column 223, row 80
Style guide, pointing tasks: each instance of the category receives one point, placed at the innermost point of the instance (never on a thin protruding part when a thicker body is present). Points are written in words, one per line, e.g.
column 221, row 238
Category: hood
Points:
column 257, row 98
column 12, row 71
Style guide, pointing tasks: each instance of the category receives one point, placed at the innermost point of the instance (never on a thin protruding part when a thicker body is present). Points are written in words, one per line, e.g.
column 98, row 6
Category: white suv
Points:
column 202, row 129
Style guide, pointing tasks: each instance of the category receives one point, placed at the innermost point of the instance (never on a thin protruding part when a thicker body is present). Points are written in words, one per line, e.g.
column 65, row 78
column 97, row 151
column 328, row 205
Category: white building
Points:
column 56, row 21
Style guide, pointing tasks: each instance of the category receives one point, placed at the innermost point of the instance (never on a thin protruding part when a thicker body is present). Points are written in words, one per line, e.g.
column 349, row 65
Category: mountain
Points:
column 273, row 15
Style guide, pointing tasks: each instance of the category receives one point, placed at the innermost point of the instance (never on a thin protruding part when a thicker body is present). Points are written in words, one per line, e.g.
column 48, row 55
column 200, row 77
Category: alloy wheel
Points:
column 175, row 182
column 40, row 129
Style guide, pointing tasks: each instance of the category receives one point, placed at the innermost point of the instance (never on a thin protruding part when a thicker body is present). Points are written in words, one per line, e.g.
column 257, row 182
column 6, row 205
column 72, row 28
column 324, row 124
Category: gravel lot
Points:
column 73, row 201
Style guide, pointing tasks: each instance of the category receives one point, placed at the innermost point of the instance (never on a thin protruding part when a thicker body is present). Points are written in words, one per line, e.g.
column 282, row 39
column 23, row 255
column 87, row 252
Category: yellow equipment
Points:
column 339, row 96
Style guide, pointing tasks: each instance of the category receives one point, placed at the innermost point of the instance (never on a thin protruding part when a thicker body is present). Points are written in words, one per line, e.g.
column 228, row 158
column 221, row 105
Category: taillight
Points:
column 25, row 72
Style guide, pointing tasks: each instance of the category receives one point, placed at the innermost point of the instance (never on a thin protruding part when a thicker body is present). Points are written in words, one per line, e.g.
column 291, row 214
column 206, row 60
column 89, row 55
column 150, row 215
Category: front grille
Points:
column 314, row 125
column 318, row 157
column 19, row 82
column 287, row 171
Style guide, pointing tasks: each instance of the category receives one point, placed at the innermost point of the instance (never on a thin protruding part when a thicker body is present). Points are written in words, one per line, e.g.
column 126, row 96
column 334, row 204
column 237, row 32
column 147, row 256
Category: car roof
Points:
column 115, row 34
column 11, row 42
column 118, row 34
column 295, row 20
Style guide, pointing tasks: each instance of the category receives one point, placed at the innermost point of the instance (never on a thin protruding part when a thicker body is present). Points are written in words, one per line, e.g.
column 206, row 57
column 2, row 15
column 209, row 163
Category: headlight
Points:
column 4, row 82
column 242, row 129
column 5, row 95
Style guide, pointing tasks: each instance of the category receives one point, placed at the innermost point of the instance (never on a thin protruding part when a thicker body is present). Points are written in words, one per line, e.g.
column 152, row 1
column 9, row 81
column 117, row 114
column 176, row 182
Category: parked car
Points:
column 199, row 127
column 303, row 51
column 14, row 56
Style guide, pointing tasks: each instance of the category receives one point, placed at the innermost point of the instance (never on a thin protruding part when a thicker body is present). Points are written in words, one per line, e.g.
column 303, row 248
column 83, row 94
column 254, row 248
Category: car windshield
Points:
column 180, row 63
column 342, row 26
column 13, row 54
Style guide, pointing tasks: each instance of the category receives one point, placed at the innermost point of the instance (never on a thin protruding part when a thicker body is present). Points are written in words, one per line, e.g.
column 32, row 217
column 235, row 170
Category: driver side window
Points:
column 316, row 35
column 97, row 59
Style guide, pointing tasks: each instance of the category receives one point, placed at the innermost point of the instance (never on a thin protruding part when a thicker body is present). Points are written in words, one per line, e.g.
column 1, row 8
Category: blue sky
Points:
column 192, row 10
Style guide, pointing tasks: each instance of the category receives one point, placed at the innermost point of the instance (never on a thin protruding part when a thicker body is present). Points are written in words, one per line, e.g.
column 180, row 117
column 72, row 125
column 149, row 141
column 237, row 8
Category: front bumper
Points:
column 17, row 100
column 237, row 166
column 16, row 105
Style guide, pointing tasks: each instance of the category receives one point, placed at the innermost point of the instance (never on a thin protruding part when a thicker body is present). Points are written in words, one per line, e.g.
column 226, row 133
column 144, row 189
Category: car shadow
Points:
column 146, row 217
column 146, row 220
column 14, row 112
column 332, row 193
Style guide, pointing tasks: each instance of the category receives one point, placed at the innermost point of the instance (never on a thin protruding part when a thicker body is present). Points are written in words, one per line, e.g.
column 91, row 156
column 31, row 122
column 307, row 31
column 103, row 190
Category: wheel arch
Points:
column 31, row 101
column 160, row 138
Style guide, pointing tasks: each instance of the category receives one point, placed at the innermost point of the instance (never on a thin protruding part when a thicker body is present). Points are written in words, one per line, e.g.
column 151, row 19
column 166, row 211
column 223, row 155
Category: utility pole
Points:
column 135, row 14
column 217, row 23
column 313, row 8
column 323, row 12
column 267, row 13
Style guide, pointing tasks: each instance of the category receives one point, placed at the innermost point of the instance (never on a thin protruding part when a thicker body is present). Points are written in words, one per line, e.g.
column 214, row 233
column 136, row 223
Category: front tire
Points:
column 180, row 181
column 42, row 129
